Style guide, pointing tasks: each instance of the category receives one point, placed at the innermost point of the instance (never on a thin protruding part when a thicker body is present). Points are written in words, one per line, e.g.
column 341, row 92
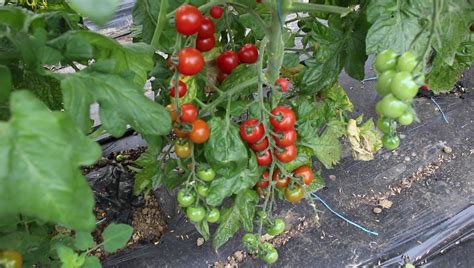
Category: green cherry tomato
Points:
column 392, row 107
column 406, row 119
column 391, row 142
column 384, row 123
column 185, row 199
column 206, row 174
column 196, row 213
column 386, row 60
column 214, row 215
column 295, row 194
column 202, row 190
column 277, row 227
column 250, row 240
column 383, row 82
column 378, row 108
column 403, row 86
column 407, row 62
column 270, row 254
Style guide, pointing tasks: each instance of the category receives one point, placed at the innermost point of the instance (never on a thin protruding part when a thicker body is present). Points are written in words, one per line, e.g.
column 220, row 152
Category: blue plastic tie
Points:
column 440, row 110
column 313, row 194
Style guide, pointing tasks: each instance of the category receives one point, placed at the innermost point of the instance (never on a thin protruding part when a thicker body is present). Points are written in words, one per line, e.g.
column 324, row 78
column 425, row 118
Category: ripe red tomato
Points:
column 282, row 181
column 190, row 61
column 216, row 12
column 260, row 145
column 283, row 83
column 284, row 118
column 285, row 138
column 221, row 76
column 264, row 158
column 180, row 132
column 182, row 89
column 425, row 87
column 189, row 113
column 200, row 132
column 227, row 61
column 305, row 173
column 207, row 28
column 188, row 19
column 248, row 54
column 295, row 194
column 287, row 154
column 205, row 44
column 264, row 180
column 251, row 130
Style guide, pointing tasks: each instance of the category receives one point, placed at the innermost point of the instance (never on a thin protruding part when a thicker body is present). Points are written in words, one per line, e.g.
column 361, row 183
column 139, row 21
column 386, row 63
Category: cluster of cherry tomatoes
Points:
column 398, row 82
column 229, row 60
column 193, row 200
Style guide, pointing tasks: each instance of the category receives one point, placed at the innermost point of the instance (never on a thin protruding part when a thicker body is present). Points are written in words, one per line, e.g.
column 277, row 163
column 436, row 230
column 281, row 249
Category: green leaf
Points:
column 116, row 236
column 225, row 151
column 242, row 211
column 34, row 247
column 291, row 60
column 92, row 262
column 223, row 186
column 242, row 73
column 395, row 25
column 121, row 103
column 100, row 12
column 5, row 84
column 316, row 184
column 40, row 155
column 69, row 258
column 203, row 228
column 303, row 158
column 149, row 174
column 83, row 240
column 326, row 147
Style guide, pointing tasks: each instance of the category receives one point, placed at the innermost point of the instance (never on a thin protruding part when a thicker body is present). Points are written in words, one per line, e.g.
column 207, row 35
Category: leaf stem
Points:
column 310, row 7
column 160, row 24
column 230, row 92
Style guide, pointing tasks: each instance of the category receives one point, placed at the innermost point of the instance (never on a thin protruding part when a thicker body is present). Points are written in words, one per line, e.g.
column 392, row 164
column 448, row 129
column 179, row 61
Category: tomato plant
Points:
column 215, row 161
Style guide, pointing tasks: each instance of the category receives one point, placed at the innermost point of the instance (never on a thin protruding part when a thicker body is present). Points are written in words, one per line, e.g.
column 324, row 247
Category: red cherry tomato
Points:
column 200, row 132
column 285, row 138
column 190, row 61
column 216, row 12
column 251, row 130
column 189, row 113
column 264, row 158
column 425, row 87
column 221, row 76
column 207, row 28
column 260, row 145
column 188, row 20
column 281, row 180
column 182, row 89
column 287, row 154
column 248, row 54
column 227, row 61
column 284, row 118
column 283, row 83
column 264, row 180
column 205, row 44
column 305, row 173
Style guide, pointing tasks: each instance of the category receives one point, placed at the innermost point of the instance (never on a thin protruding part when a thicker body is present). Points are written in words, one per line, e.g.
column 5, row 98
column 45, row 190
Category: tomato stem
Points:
column 310, row 7
column 160, row 24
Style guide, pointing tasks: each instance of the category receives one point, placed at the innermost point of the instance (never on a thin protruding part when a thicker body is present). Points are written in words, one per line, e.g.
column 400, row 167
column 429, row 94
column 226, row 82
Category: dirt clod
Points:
column 200, row 241
column 384, row 203
column 377, row 210
column 447, row 149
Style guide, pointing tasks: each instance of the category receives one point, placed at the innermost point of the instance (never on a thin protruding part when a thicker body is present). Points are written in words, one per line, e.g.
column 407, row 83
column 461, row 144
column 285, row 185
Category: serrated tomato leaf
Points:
column 39, row 165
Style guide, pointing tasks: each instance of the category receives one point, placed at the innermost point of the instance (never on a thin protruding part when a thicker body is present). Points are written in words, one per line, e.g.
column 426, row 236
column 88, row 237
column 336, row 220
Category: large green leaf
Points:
column 223, row 186
column 242, row 211
column 40, row 155
column 116, row 236
column 121, row 102
column 99, row 12
column 326, row 147
column 395, row 24
column 225, row 151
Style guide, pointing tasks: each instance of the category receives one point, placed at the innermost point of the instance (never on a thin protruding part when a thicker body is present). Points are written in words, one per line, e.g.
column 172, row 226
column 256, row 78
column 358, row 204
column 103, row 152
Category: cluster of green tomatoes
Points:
column 265, row 250
column 398, row 81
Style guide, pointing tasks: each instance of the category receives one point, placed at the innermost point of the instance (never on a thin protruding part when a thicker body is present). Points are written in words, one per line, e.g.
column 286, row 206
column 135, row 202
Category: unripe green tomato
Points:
column 384, row 124
column 206, row 174
column 390, row 142
column 386, row 60
column 406, row 119
column 185, row 199
column 403, row 86
column 277, row 227
column 378, row 108
column 202, row 190
column 214, row 215
column 270, row 254
column 383, row 82
column 392, row 107
column 406, row 62
column 250, row 240
column 196, row 213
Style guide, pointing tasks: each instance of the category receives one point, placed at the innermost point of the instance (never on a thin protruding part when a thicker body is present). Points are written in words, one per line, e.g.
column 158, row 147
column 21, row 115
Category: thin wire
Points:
column 313, row 194
column 370, row 79
column 440, row 110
